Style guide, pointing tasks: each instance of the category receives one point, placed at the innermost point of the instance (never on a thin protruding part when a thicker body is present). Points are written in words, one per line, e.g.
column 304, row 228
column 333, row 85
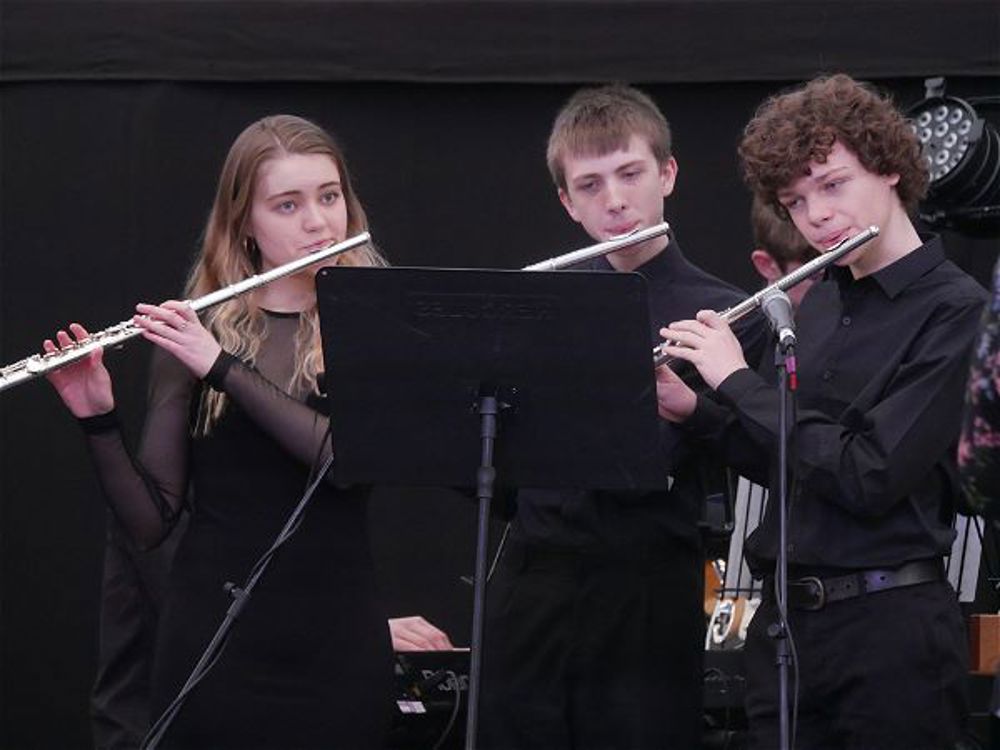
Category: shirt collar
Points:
column 899, row 274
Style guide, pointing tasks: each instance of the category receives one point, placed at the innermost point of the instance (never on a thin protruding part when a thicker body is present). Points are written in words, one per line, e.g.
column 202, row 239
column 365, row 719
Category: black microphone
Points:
column 778, row 309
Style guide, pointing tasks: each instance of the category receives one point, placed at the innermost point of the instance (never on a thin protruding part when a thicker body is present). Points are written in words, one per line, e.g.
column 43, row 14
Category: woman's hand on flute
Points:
column 85, row 385
column 707, row 343
column 175, row 327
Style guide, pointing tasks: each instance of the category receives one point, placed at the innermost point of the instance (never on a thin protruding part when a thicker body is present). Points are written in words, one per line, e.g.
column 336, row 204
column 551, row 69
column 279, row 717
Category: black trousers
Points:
column 885, row 671
column 594, row 651
column 132, row 592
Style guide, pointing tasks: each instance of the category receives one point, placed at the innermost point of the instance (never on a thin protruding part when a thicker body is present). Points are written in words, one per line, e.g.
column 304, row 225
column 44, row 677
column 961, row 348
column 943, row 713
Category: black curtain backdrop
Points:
column 550, row 41
column 114, row 121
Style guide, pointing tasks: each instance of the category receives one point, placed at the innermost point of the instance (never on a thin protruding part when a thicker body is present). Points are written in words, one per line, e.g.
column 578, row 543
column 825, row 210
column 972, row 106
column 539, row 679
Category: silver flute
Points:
column 783, row 284
column 601, row 248
column 116, row 335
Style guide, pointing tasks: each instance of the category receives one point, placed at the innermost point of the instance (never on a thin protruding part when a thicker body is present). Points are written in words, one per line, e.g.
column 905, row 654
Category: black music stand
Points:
column 421, row 364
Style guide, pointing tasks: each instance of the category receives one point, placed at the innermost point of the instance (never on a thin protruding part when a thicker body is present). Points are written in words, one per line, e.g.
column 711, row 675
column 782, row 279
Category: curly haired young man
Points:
column 883, row 345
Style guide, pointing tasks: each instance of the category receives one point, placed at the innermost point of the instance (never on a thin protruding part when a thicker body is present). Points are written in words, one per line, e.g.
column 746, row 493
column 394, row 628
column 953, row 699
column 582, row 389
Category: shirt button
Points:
column 846, row 320
column 827, row 374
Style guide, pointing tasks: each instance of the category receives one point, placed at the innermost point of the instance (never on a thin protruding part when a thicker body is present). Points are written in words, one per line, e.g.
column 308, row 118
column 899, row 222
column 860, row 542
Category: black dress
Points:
column 308, row 664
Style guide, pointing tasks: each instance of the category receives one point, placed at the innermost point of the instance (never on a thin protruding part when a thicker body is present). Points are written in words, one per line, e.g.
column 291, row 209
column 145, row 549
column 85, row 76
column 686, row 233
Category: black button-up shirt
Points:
column 636, row 522
column 882, row 364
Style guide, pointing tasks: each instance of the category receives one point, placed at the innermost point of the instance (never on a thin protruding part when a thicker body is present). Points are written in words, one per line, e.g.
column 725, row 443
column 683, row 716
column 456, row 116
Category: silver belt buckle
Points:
column 820, row 588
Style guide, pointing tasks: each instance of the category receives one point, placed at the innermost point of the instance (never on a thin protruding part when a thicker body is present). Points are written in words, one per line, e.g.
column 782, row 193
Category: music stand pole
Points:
column 488, row 408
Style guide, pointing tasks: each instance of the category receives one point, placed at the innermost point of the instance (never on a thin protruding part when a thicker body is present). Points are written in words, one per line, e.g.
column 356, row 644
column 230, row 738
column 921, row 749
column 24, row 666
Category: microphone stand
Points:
column 784, row 359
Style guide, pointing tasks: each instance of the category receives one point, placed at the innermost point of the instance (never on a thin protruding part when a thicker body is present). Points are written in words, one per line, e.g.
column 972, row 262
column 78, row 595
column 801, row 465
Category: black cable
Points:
column 327, row 436
column 500, row 548
column 454, row 713
column 311, row 484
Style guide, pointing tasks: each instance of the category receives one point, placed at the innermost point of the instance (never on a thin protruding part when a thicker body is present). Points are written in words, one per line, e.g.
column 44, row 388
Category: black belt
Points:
column 813, row 592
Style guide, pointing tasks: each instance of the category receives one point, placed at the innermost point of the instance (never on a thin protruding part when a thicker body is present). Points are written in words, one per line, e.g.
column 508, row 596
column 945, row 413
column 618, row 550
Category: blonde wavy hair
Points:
column 229, row 254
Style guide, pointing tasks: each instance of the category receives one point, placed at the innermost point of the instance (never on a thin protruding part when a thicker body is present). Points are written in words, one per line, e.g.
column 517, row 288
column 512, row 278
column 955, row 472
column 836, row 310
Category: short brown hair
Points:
column 778, row 236
column 792, row 129
column 601, row 119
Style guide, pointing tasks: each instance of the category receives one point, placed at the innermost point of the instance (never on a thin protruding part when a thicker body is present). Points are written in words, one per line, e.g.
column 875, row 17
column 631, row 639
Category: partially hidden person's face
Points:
column 797, row 292
column 840, row 198
column 618, row 192
column 771, row 270
column 298, row 207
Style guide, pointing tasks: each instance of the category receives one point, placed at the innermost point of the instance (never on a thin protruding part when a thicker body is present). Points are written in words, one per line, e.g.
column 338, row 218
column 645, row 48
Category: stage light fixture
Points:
column 963, row 159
